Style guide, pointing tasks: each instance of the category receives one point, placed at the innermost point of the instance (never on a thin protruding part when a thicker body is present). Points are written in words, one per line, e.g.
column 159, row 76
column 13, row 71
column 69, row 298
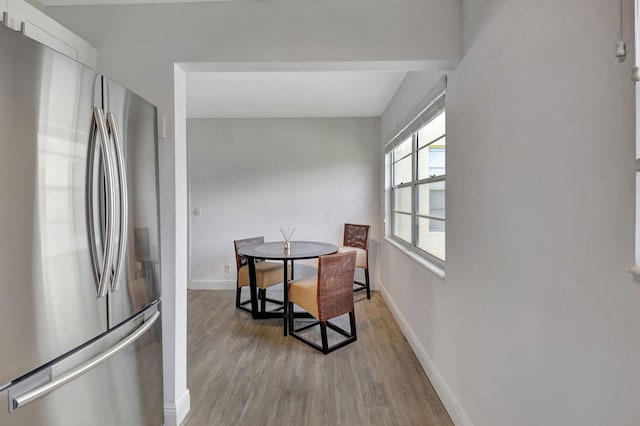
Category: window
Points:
column 417, row 172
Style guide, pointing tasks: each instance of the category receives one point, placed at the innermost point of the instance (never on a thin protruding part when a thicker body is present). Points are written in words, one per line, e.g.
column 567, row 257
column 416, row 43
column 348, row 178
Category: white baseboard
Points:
column 175, row 414
column 450, row 402
column 183, row 406
column 212, row 285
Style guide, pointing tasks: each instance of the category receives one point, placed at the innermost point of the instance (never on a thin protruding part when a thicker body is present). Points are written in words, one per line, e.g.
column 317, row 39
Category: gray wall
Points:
column 536, row 321
column 251, row 177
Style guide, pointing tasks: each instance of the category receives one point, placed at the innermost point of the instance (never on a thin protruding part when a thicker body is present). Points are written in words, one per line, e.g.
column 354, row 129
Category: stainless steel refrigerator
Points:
column 80, row 335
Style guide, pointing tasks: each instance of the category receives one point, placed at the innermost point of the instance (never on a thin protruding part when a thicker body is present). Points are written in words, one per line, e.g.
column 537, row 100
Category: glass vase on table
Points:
column 287, row 234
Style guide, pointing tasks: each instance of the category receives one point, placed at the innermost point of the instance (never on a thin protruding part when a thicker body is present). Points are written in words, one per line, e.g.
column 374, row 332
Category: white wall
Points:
column 536, row 322
column 251, row 177
column 139, row 44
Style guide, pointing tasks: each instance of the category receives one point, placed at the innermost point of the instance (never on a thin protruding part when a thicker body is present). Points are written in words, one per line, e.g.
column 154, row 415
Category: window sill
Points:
column 436, row 270
column 635, row 270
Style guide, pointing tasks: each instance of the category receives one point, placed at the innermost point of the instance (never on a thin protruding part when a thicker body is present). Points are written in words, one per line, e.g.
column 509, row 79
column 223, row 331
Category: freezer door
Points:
column 48, row 294
column 115, row 381
column 131, row 122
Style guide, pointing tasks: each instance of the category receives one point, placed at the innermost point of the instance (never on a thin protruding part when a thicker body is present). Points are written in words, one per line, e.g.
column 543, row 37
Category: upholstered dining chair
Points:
column 356, row 238
column 267, row 275
column 326, row 296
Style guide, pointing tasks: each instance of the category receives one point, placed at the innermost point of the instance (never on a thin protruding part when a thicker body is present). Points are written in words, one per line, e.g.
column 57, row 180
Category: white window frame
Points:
column 434, row 106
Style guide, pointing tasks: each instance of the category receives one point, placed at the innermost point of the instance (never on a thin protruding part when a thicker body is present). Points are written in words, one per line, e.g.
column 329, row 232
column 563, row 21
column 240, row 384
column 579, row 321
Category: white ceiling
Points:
column 290, row 93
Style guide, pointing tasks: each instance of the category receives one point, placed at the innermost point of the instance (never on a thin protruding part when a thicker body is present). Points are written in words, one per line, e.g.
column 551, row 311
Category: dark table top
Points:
column 299, row 250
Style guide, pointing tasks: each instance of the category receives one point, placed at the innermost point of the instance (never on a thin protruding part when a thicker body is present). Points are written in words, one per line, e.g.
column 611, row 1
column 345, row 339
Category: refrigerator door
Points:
column 48, row 294
column 131, row 122
column 117, row 380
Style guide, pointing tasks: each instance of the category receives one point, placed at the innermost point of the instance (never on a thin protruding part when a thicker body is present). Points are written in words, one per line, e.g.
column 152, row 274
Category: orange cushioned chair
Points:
column 267, row 275
column 356, row 238
column 326, row 296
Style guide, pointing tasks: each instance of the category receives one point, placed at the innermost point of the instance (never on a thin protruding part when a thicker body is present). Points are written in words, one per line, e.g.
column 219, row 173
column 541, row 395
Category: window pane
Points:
column 402, row 171
column 402, row 199
column 431, row 198
column 432, row 160
column 432, row 131
column 431, row 236
column 436, row 160
column 418, row 189
column 402, row 226
column 403, row 149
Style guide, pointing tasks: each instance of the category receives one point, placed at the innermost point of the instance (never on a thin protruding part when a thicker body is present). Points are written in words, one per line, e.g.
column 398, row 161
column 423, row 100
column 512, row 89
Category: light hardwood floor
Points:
column 245, row 372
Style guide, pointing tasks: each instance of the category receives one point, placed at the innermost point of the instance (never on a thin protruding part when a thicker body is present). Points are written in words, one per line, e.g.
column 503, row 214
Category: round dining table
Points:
column 298, row 250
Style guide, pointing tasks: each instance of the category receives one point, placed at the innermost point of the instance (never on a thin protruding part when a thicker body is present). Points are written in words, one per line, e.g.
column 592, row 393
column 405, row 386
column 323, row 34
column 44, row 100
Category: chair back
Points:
column 237, row 244
column 335, row 284
column 356, row 236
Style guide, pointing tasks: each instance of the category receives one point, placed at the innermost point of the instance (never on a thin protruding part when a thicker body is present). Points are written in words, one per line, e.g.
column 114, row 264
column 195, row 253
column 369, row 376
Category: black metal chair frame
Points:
column 262, row 292
column 347, row 267
column 351, row 335
column 262, row 296
column 359, row 286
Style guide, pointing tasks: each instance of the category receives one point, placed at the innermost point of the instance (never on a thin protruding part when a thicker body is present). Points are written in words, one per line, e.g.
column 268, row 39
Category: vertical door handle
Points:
column 124, row 204
column 89, row 194
column 101, row 274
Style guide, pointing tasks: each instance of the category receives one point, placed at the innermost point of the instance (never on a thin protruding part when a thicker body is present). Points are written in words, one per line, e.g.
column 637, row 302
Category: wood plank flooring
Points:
column 245, row 372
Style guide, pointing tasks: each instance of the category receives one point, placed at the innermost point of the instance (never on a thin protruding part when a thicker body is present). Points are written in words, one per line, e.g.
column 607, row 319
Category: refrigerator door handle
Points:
column 103, row 274
column 41, row 391
column 124, row 206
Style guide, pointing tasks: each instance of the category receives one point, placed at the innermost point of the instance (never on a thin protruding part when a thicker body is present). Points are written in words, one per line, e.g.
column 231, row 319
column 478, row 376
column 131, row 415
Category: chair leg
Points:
column 366, row 281
column 290, row 315
column 363, row 285
column 323, row 333
column 239, row 303
column 352, row 324
column 262, row 293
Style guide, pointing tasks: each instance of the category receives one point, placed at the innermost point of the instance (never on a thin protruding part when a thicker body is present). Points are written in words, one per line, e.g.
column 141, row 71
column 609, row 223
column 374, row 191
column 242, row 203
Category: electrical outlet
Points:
column 227, row 268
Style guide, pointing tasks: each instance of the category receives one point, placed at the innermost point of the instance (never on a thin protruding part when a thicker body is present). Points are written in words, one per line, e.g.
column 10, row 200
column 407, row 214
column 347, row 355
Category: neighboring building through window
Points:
column 418, row 170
